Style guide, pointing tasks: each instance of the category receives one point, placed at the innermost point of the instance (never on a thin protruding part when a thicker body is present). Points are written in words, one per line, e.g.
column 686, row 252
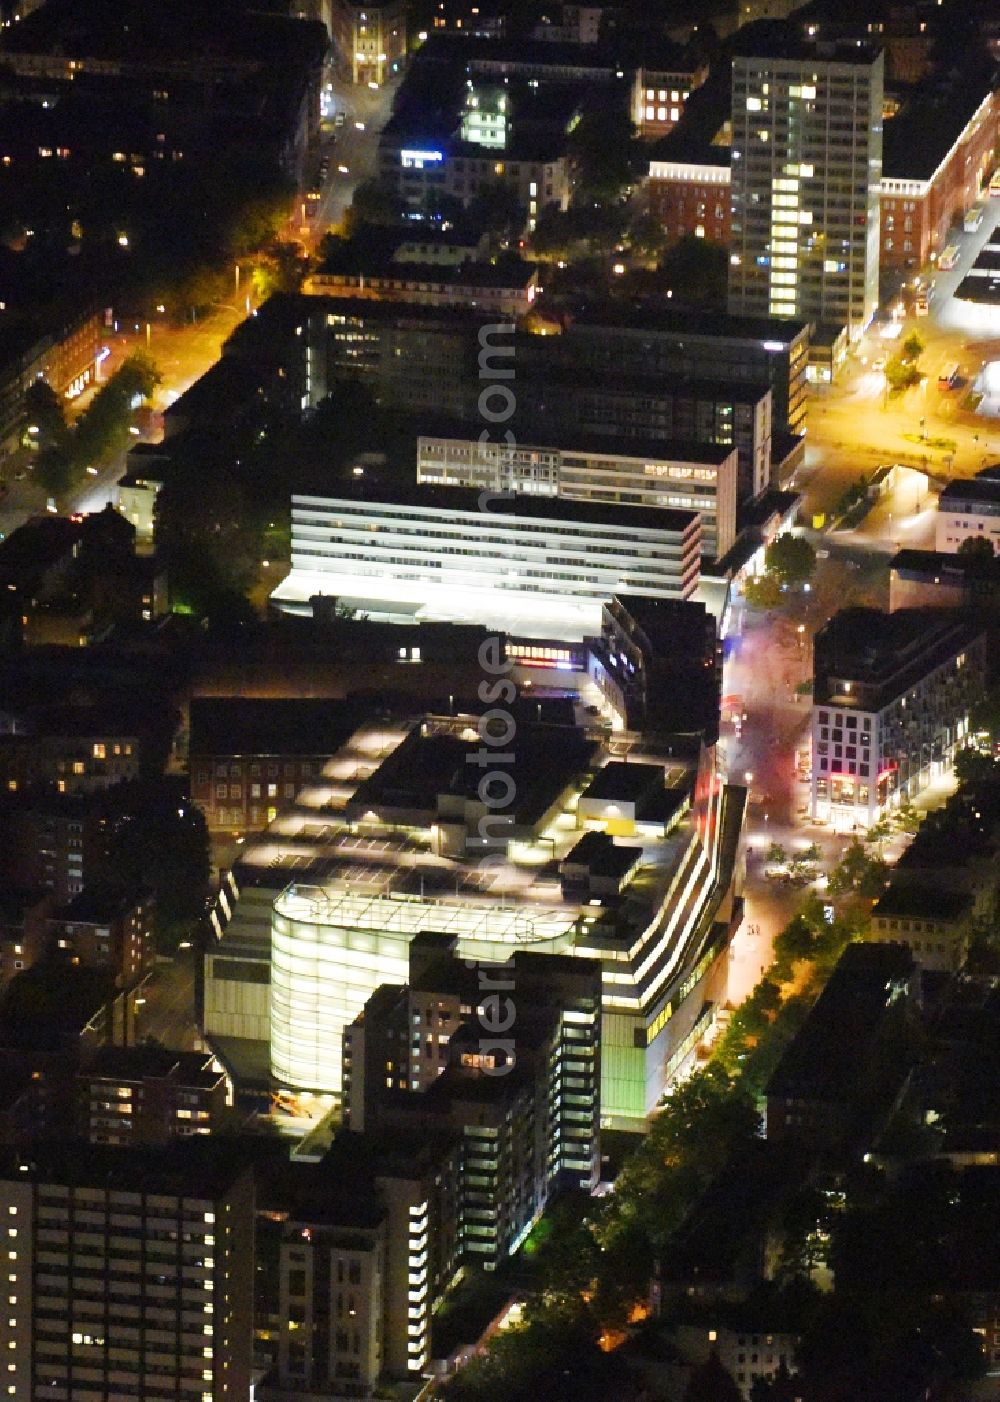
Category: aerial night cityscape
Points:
column 500, row 700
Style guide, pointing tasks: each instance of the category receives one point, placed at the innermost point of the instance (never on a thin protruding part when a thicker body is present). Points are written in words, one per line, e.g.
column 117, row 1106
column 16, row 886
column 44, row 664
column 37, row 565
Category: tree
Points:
column 858, row 871
column 496, row 208
column 912, row 348
column 977, row 548
column 791, row 558
column 711, row 1382
column 696, row 271
column 44, row 423
column 372, row 205
column 900, row 376
column 763, row 592
column 604, row 150
column 973, row 767
column 777, row 854
column 646, row 235
column 280, row 269
column 102, row 428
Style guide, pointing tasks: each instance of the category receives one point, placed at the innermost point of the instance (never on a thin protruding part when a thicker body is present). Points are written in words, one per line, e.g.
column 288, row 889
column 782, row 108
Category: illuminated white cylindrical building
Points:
column 330, row 950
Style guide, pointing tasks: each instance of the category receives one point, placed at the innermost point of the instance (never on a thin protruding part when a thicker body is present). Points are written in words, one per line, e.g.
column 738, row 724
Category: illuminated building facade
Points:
column 129, row 1272
column 538, row 567
column 399, row 853
column 892, row 693
column 806, row 173
column 684, row 476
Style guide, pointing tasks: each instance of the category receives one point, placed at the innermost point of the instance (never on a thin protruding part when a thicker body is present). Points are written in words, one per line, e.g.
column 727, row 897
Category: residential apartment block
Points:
column 969, row 508
column 148, row 1095
column 528, row 1114
column 892, row 693
column 806, row 173
column 129, row 1273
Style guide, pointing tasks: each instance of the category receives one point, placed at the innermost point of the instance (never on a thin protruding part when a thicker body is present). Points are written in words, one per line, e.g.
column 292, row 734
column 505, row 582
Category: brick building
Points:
column 149, row 1095
column 99, row 930
column 938, row 152
column 250, row 757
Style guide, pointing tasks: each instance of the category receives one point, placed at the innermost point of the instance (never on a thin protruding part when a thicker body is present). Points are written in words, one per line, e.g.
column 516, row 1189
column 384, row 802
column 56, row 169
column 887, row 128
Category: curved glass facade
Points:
column 330, row 951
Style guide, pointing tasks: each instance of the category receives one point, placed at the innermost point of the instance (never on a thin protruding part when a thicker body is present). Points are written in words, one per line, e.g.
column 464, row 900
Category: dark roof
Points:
column 628, row 782
column 96, row 905
column 678, row 323
column 575, row 441
column 453, row 500
column 828, row 1055
column 928, row 902
column 936, row 564
column 778, row 39
column 599, row 854
column 885, row 651
column 35, row 547
column 251, row 726
column 681, row 627
column 930, row 121
column 150, row 1063
column 202, row 1166
column 971, row 489
column 706, row 111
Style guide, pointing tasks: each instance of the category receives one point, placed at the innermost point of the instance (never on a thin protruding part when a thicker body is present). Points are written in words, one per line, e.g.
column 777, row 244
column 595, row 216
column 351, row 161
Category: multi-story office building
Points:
column 129, row 1272
column 806, row 173
column 649, row 407
column 968, row 509
column 728, row 351
column 535, row 567
column 659, row 666
column 423, row 358
column 892, row 693
column 148, row 1095
column 682, row 476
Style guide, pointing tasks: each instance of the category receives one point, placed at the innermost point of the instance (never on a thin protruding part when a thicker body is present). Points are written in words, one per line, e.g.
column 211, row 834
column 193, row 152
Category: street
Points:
column 183, row 353
column 164, row 1005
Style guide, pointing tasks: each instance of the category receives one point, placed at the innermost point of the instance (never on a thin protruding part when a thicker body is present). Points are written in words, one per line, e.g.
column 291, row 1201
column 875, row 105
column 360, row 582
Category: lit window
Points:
column 100, row 750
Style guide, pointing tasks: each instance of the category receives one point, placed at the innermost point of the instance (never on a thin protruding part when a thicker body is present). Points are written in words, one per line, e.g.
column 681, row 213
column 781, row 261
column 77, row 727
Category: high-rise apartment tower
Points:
column 806, row 166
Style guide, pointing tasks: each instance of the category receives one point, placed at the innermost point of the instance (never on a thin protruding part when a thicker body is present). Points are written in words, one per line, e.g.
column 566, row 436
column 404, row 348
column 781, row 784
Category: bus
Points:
column 948, row 376
column 995, row 185
column 948, row 258
column 974, row 218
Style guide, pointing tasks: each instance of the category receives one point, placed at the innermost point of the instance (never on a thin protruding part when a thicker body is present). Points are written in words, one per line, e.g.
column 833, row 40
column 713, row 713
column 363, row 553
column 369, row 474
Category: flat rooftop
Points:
column 201, row 1167
column 931, row 119
column 626, row 782
column 972, row 489
column 698, row 325
column 257, row 726
column 889, row 651
column 535, row 617
column 454, row 501
column 569, row 441
column 782, row 42
column 926, row 902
